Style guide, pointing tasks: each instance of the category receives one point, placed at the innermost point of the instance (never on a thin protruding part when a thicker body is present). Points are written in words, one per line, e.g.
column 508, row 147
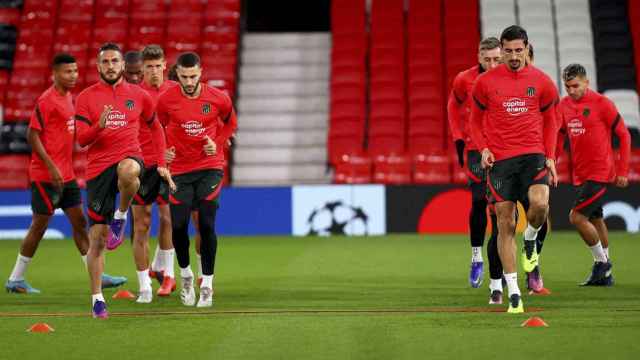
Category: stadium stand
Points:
column 495, row 15
column 537, row 17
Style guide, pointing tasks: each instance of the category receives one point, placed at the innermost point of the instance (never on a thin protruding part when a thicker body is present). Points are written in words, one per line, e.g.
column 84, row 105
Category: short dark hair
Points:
column 109, row 46
column 61, row 59
column 514, row 32
column 489, row 43
column 188, row 59
column 172, row 74
column 573, row 71
column 132, row 57
column 152, row 52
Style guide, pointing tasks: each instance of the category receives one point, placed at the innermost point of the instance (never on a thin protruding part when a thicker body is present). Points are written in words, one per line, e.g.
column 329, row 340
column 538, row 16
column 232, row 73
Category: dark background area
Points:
column 287, row 15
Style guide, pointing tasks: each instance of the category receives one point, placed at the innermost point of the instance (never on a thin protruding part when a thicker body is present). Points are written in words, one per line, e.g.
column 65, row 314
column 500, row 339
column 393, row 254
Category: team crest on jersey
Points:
column 586, row 112
column 129, row 104
column 206, row 108
column 531, row 91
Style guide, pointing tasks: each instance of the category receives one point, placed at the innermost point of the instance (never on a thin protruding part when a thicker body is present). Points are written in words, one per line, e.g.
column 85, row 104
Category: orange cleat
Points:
column 168, row 286
column 199, row 281
column 158, row 275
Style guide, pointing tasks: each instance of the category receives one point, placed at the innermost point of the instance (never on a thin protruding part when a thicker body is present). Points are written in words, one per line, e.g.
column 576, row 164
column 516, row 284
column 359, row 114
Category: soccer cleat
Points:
column 206, row 297
column 534, row 280
column 529, row 256
column 515, row 304
column 100, row 310
column 476, row 274
column 608, row 281
column 495, row 298
column 109, row 281
column 158, row 275
column 188, row 293
column 20, row 287
column 145, row 297
column 116, row 233
column 168, row 286
column 599, row 272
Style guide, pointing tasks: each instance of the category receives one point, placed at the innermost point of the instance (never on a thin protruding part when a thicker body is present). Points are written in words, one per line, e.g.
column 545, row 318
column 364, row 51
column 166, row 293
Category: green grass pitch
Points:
column 392, row 297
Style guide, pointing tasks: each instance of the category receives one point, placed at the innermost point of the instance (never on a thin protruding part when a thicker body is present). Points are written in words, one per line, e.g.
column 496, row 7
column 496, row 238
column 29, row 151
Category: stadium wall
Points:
column 343, row 209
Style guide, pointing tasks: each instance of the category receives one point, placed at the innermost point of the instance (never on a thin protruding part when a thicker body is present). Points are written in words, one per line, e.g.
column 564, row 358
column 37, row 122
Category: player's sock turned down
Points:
column 512, row 283
column 530, row 233
column 167, row 261
column 120, row 215
column 598, row 252
column 22, row 262
column 476, row 254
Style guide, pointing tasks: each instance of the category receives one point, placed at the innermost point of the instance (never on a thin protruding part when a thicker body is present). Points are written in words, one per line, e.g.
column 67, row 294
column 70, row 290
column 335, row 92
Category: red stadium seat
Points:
column 432, row 168
column 392, row 169
column 15, row 171
column 353, row 169
column 343, row 145
column 10, row 16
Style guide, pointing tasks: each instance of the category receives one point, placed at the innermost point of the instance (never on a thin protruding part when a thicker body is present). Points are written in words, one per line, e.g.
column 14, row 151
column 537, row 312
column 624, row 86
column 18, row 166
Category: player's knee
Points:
column 165, row 219
column 575, row 218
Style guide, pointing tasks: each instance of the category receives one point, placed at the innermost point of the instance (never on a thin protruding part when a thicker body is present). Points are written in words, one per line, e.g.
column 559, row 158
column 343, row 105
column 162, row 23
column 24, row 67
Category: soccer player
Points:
column 152, row 189
column 133, row 73
column 458, row 114
column 513, row 123
column 589, row 119
column 108, row 117
column 53, row 181
column 191, row 113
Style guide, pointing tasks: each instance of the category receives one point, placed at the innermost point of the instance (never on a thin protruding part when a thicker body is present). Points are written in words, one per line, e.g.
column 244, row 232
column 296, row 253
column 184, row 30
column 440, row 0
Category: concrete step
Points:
column 252, row 56
column 250, row 155
column 291, row 121
column 281, row 138
column 284, row 104
column 279, row 175
column 251, row 88
column 285, row 72
column 286, row 40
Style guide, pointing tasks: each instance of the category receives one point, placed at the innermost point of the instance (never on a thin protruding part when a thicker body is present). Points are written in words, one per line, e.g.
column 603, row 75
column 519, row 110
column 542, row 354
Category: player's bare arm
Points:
column 33, row 137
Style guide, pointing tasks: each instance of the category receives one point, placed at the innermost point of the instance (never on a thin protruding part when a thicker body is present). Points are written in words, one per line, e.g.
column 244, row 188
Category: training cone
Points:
column 541, row 292
column 123, row 294
column 40, row 328
column 534, row 322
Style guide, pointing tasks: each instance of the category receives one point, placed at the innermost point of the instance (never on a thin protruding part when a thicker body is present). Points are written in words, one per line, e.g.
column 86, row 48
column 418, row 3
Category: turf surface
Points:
column 400, row 297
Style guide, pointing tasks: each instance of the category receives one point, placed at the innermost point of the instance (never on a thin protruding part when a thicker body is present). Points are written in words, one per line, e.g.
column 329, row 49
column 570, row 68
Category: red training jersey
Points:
column 188, row 121
column 53, row 119
column 146, row 144
column 520, row 112
column 119, row 138
column 459, row 105
column 589, row 122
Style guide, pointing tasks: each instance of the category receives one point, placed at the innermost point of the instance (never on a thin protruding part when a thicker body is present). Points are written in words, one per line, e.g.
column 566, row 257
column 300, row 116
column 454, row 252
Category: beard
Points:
column 195, row 88
column 111, row 82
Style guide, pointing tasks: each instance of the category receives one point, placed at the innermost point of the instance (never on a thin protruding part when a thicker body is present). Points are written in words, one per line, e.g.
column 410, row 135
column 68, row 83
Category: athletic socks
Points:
column 120, row 215
column 144, row 280
column 606, row 252
column 207, row 281
column 22, row 262
column 157, row 262
column 186, row 272
column 97, row 297
column 530, row 233
column 598, row 252
column 167, row 261
column 476, row 254
column 495, row 284
column 512, row 283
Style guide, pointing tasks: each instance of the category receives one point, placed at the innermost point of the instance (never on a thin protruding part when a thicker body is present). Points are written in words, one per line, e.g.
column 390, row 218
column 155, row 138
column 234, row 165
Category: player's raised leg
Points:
column 128, row 184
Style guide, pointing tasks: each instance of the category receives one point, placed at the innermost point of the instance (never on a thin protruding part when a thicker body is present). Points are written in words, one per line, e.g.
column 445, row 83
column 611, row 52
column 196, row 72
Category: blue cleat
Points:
column 599, row 273
column 20, row 287
column 100, row 310
column 116, row 233
column 476, row 274
column 109, row 281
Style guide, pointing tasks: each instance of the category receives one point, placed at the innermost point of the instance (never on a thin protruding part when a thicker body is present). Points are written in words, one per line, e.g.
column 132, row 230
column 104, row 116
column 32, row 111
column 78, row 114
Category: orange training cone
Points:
column 534, row 322
column 541, row 292
column 40, row 328
column 123, row 294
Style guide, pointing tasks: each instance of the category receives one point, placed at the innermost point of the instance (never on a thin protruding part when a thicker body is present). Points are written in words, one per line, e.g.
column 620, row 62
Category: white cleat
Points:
column 145, row 297
column 188, row 293
column 206, row 297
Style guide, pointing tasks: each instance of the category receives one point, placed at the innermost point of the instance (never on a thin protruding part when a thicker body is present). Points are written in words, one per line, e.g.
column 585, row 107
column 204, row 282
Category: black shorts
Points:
column 101, row 194
column 477, row 175
column 153, row 188
column 590, row 198
column 45, row 199
column 510, row 179
column 193, row 187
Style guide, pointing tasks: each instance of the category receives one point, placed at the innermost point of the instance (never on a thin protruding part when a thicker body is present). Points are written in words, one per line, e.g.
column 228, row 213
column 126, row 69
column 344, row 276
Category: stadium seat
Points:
column 353, row 169
column 432, row 168
column 14, row 169
column 392, row 169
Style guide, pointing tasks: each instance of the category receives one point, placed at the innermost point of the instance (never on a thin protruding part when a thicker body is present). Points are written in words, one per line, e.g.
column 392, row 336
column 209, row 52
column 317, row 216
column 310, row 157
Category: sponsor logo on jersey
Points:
column 206, row 108
column 116, row 120
column 531, row 91
column 193, row 128
column 586, row 112
column 515, row 106
column 575, row 127
column 71, row 125
column 129, row 104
